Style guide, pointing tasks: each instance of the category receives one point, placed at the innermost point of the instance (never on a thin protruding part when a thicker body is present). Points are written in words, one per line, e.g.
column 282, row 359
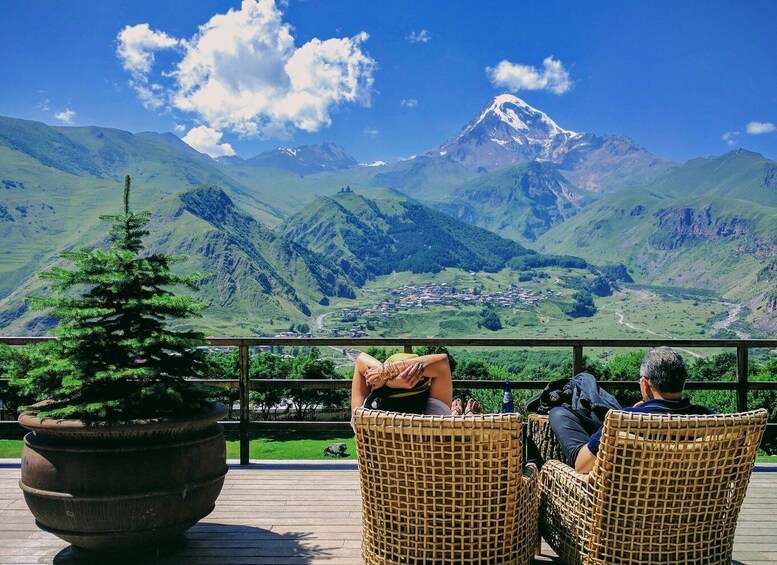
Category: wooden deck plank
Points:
column 303, row 513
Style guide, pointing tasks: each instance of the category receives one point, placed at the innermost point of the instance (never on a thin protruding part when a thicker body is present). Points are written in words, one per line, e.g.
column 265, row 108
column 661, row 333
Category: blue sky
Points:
column 388, row 80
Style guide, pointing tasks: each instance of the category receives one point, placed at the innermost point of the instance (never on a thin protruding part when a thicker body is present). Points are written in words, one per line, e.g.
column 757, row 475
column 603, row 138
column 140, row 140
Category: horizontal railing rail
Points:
column 741, row 386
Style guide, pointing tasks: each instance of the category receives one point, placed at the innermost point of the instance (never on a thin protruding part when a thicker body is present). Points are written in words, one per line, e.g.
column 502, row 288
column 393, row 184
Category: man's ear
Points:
column 644, row 388
column 648, row 388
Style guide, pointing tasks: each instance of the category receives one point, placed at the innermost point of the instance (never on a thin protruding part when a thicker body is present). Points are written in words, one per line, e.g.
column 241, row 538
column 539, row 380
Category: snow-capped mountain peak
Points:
column 509, row 132
column 516, row 113
column 506, row 131
column 305, row 159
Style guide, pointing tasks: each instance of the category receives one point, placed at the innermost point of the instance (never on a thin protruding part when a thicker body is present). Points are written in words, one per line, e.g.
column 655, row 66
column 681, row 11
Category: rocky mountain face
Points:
column 678, row 226
column 611, row 162
column 520, row 202
column 508, row 131
column 306, row 159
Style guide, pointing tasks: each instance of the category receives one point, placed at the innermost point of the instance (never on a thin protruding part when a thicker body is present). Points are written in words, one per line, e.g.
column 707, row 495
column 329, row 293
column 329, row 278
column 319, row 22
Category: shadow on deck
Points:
column 306, row 512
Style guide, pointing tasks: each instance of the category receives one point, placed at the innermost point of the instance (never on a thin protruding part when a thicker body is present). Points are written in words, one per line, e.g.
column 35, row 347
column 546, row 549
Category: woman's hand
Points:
column 375, row 376
column 408, row 378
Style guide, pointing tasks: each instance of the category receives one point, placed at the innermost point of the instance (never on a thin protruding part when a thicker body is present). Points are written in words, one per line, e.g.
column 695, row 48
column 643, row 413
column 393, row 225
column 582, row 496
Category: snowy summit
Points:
column 508, row 130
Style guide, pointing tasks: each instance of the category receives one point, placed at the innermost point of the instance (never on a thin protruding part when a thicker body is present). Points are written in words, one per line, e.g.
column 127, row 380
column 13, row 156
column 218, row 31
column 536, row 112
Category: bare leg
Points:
column 359, row 389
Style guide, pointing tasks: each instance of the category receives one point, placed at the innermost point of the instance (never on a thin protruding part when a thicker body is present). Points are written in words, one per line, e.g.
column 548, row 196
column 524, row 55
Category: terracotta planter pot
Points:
column 116, row 488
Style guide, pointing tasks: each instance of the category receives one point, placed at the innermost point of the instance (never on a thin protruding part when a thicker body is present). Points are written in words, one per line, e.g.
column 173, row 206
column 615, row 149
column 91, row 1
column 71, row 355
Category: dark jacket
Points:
column 581, row 394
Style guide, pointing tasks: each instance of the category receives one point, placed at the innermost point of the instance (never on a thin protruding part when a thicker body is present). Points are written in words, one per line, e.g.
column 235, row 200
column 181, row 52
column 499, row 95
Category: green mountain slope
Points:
column 255, row 280
column 739, row 174
column 161, row 160
column 423, row 177
column 368, row 237
column 709, row 224
column 520, row 202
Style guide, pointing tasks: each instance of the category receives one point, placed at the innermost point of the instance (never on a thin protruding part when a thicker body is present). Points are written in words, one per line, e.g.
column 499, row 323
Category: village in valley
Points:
column 425, row 295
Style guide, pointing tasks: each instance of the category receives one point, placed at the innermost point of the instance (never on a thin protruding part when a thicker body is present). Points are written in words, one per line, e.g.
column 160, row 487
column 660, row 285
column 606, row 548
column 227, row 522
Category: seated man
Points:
column 662, row 378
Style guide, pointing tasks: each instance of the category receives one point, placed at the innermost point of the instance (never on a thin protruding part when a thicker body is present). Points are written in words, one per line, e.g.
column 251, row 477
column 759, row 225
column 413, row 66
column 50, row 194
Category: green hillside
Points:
column 740, row 174
column 697, row 226
column 256, row 282
column 160, row 160
column 367, row 238
column 424, row 177
column 708, row 223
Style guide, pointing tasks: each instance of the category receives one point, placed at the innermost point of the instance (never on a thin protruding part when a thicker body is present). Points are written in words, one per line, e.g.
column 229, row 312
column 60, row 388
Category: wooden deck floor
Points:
column 289, row 513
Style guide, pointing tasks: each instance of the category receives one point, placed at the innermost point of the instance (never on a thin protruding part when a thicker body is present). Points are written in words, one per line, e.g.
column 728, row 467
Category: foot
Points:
column 457, row 409
column 473, row 407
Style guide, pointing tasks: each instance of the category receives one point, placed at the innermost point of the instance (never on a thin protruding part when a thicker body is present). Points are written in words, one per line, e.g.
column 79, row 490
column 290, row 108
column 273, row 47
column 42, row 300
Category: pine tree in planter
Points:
column 124, row 455
column 116, row 358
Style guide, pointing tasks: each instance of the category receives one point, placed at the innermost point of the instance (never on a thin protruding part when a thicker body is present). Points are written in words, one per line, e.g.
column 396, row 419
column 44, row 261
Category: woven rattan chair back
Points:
column 443, row 489
column 668, row 489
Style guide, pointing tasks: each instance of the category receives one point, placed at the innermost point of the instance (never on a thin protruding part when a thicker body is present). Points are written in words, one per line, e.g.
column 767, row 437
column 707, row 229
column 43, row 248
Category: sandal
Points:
column 457, row 409
column 473, row 407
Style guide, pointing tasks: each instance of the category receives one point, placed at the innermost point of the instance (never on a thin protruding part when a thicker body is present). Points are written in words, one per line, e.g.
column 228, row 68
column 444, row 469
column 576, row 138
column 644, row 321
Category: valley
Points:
column 633, row 311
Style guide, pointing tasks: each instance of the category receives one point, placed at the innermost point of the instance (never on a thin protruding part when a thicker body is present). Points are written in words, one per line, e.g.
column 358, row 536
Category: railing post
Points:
column 578, row 366
column 408, row 348
column 742, row 384
column 245, row 385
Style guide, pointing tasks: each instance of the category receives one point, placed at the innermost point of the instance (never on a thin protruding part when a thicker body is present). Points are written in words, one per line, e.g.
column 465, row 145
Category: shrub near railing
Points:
column 727, row 382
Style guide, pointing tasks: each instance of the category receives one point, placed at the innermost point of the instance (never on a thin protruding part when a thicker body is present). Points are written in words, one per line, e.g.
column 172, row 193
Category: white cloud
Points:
column 730, row 137
column 242, row 73
column 44, row 106
column 422, row 36
column 66, row 116
column 371, row 131
column 136, row 48
column 758, row 128
column 180, row 128
column 206, row 140
column 409, row 103
column 151, row 95
column 513, row 76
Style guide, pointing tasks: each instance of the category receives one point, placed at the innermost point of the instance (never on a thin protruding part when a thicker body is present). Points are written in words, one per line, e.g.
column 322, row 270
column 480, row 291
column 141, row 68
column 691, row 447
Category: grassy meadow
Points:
column 260, row 448
column 273, row 449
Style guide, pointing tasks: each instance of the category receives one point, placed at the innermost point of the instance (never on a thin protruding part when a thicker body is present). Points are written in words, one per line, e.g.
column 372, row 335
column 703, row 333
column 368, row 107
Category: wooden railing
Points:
column 244, row 383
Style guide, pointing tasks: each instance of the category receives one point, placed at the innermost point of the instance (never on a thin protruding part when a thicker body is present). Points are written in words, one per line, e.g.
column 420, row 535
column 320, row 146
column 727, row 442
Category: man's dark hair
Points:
column 665, row 370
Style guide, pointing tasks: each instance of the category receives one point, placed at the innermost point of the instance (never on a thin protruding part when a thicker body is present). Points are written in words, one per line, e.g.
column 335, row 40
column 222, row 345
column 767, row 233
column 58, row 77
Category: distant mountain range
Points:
column 278, row 233
column 306, row 159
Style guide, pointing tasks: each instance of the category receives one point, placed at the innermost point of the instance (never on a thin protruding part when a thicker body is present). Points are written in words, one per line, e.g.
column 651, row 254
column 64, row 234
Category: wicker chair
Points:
column 445, row 489
column 664, row 489
column 541, row 439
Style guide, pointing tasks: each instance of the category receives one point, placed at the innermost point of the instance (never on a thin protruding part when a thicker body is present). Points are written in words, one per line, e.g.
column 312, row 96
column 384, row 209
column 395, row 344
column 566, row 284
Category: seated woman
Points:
column 406, row 383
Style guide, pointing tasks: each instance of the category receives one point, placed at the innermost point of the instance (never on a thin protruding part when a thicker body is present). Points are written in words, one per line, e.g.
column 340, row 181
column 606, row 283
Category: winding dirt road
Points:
column 647, row 295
